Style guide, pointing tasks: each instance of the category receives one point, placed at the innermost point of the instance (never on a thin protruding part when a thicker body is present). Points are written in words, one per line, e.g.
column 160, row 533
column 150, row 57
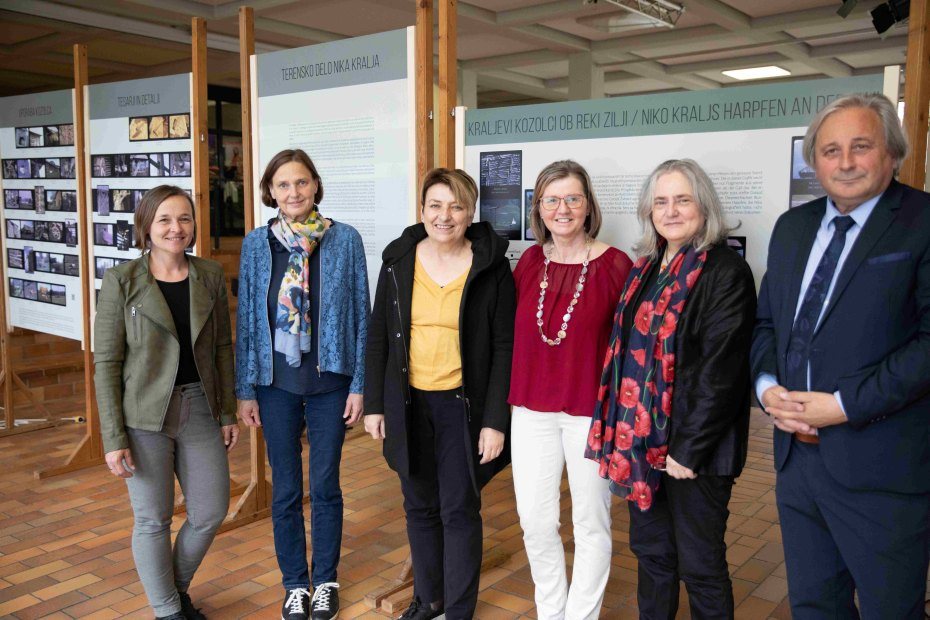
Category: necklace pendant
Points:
column 543, row 285
column 561, row 334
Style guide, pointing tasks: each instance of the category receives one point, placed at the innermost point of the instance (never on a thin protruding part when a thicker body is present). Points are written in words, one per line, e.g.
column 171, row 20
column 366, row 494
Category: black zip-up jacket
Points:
column 485, row 338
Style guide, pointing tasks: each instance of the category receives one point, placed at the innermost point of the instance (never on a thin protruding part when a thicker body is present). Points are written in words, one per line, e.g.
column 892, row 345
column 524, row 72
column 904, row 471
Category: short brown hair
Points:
column 556, row 171
column 285, row 157
column 148, row 206
column 461, row 184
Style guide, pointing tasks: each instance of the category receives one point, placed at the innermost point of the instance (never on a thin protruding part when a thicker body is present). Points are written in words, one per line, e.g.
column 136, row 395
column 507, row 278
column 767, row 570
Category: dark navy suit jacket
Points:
column 872, row 344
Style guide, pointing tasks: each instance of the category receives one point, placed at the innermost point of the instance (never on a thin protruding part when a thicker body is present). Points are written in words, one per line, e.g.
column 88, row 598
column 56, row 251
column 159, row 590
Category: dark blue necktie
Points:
column 814, row 298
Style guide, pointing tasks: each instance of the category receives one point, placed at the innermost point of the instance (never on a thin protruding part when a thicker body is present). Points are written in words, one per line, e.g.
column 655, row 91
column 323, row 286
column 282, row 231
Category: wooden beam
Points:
column 448, row 82
column 916, row 95
column 89, row 451
column 246, row 50
column 199, row 145
column 424, row 87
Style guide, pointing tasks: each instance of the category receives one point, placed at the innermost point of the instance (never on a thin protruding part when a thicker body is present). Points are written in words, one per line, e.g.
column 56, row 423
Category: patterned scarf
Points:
column 630, row 426
column 292, row 320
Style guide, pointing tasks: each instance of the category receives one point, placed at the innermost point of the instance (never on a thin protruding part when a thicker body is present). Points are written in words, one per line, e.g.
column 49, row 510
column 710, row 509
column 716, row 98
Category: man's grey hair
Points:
column 895, row 140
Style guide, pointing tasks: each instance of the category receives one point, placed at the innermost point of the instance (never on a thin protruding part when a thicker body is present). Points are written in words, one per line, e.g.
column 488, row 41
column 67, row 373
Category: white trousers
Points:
column 541, row 445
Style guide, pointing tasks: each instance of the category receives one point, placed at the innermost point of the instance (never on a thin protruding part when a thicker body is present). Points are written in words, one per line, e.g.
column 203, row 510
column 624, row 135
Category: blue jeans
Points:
column 284, row 416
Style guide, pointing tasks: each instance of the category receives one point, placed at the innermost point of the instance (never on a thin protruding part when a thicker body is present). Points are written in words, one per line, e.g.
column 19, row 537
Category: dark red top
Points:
column 565, row 377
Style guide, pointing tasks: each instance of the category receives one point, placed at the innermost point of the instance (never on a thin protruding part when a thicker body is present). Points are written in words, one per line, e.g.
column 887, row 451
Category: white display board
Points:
column 748, row 139
column 139, row 137
column 41, row 257
column 350, row 105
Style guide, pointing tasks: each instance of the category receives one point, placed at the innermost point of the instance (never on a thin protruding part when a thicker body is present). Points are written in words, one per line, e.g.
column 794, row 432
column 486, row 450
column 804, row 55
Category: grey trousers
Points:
column 189, row 446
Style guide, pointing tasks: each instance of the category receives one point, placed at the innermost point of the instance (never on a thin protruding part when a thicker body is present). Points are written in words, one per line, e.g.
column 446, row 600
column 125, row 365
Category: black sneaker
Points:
column 187, row 608
column 175, row 616
column 296, row 605
column 325, row 602
column 420, row 611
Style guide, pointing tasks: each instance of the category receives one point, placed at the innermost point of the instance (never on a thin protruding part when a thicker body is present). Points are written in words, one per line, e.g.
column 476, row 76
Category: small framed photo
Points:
column 59, row 295
column 72, row 266
column 66, row 135
column 22, row 137
column 9, row 169
column 27, row 229
column 14, row 257
column 69, row 201
column 10, row 199
column 56, row 263
column 180, row 164
column 36, row 136
column 30, row 290
column 52, row 137
column 67, row 167
column 38, row 168
column 71, row 233
column 26, row 199
column 103, row 234
column 138, row 129
column 16, row 288
column 123, row 235
column 179, row 126
column 121, row 165
column 40, row 230
column 139, row 165
column 102, row 166
column 13, row 229
column 23, row 169
column 101, row 264
column 42, row 262
column 29, row 259
column 56, row 232
column 158, row 128
column 44, row 291
column 102, row 199
column 39, row 197
column 122, row 200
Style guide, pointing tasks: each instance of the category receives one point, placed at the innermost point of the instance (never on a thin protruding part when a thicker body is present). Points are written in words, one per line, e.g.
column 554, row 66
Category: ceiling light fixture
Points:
column 661, row 13
column 757, row 73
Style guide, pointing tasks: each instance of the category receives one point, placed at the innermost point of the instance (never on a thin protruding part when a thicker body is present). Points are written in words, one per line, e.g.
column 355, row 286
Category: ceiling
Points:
column 518, row 51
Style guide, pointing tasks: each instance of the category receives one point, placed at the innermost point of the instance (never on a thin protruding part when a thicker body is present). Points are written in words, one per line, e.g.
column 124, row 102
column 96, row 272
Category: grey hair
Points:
column 895, row 140
column 715, row 228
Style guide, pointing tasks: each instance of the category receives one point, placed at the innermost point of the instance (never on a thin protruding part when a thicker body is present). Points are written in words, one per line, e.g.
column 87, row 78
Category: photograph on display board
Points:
column 26, row 199
column 35, row 137
column 121, row 200
column 29, row 259
column 40, row 230
column 9, row 169
column 158, row 128
column 16, row 288
column 59, row 297
column 14, row 257
column 804, row 185
column 67, row 167
column 53, row 199
column 71, row 233
column 52, row 168
column 66, row 135
column 121, row 165
column 10, row 199
column 27, row 229
column 56, row 263
column 56, row 232
column 39, row 197
column 138, row 129
column 22, row 137
column 139, row 165
column 52, row 137
column 42, row 263
column 103, row 234
column 38, row 168
column 527, row 209
column 123, row 235
column 44, row 292
column 101, row 264
column 29, row 290
column 102, row 199
column 68, row 200
column 180, row 164
column 179, row 126
column 501, row 192
column 156, row 169
column 72, row 266
column 137, row 195
column 12, row 229
column 23, row 169
column 102, row 166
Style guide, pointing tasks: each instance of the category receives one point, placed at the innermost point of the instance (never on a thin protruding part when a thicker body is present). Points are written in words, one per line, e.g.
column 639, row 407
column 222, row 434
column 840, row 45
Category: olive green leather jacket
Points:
column 136, row 350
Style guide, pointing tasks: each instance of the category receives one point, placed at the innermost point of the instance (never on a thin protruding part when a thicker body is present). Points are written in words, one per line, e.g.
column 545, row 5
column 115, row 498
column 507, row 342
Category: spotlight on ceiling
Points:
column 662, row 13
column 893, row 12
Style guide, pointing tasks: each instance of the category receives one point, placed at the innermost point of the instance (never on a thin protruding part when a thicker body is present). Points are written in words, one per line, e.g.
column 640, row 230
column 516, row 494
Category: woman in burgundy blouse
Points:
column 567, row 289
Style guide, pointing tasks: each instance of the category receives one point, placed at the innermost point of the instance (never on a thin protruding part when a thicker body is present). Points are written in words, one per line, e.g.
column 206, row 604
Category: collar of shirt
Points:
column 860, row 214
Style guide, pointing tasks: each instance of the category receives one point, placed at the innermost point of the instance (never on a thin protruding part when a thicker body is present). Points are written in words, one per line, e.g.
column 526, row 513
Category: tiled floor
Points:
column 64, row 542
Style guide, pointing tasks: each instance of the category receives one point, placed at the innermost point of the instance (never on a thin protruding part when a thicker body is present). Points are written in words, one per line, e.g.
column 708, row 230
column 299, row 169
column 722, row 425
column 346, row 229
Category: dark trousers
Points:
column 284, row 417
column 681, row 536
column 839, row 541
column 443, row 510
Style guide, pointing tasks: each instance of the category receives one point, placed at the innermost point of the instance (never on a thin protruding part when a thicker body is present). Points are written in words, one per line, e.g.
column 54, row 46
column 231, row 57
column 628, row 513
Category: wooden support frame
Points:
column 917, row 95
column 448, row 82
column 424, row 88
column 255, row 501
column 89, row 451
column 199, row 146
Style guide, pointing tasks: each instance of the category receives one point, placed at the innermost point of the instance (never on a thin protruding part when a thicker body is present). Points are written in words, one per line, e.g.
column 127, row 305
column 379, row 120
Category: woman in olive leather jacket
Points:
column 164, row 379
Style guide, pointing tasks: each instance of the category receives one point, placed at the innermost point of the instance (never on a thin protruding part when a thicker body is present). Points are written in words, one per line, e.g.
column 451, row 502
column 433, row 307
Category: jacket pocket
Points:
column 888, row 258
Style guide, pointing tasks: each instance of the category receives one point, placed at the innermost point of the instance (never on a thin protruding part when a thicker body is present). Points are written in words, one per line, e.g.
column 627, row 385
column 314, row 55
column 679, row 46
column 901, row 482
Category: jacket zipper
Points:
column 400, row 322
column 135, row 331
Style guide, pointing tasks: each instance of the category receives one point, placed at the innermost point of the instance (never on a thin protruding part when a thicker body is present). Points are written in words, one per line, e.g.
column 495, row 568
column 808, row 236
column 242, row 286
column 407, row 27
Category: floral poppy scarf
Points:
column 292, row 320
column 631, row 423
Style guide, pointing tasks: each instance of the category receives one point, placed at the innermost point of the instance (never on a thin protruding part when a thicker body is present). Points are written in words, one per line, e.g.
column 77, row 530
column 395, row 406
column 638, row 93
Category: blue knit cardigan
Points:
column 343, row 320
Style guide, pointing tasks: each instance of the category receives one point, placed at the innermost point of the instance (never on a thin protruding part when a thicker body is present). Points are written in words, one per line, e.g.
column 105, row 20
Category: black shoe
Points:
column 325, row 602
column 176, row 616
column 296, row 605
column 187, row 608
column 420, row 611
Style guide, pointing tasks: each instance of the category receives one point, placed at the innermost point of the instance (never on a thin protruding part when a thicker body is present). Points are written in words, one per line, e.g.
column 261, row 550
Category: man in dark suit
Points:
column 841, row 361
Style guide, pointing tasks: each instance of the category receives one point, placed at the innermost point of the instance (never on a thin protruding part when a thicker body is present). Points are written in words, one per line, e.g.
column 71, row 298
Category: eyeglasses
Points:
column 551, row 203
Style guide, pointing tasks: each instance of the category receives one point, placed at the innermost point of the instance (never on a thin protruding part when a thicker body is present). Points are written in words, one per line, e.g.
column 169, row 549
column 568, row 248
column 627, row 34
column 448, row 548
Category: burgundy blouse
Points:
column 565, row 377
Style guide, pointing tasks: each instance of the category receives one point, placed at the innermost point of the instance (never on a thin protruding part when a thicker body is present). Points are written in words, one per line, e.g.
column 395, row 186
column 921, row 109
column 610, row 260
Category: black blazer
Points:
column 873, row 343
column 485, row 338
column 711, row 399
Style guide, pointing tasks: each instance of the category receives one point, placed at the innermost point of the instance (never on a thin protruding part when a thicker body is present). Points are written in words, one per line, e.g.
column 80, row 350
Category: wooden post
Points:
column 916, row 95
column 255, row 501
column 448, row 82
column 424, row 87
column 90, row 451
column 199, row 145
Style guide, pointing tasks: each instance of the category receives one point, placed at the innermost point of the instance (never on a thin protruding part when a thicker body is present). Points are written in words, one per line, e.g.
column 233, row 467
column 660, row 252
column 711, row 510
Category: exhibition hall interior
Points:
column 102, row 101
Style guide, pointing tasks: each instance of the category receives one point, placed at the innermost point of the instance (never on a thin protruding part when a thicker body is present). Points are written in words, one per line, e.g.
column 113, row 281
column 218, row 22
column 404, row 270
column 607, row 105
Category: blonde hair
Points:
column 561, row 170
column 459, row 182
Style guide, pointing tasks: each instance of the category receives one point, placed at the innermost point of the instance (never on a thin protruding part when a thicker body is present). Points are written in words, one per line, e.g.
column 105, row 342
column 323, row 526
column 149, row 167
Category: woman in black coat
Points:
column 671, row 428
column 438, row 374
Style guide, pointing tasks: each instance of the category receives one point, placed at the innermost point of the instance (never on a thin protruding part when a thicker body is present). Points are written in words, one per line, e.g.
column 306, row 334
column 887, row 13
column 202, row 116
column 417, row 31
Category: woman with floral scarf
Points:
column 671, row 426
